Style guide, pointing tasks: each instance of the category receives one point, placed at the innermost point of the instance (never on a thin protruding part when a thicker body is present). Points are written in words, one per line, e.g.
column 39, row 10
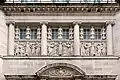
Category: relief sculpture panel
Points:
column 27, row 48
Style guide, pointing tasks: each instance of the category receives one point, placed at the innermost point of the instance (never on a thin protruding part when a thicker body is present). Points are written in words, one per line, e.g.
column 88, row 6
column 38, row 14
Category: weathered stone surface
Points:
column 27, row 66
column 116, row 35
column 1, row 70
column 3, row 34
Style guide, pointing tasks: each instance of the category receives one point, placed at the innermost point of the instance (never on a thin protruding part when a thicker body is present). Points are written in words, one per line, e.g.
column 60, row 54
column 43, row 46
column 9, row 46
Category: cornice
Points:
column 59, row 9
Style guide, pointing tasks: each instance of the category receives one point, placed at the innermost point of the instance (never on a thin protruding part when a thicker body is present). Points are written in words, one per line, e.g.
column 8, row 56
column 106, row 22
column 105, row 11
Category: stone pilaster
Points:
column 76, row 39
column 109, row 36
column 11, row 38
column 44, row 39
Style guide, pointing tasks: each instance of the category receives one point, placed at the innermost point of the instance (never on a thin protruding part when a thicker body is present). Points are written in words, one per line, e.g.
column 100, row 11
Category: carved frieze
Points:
column 56, row 48
column 25, row 48
column 93, row 48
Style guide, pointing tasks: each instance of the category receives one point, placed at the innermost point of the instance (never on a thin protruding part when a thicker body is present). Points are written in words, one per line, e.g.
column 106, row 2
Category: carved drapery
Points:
column 56, row 48
column 95, row 44
column 27, row 46
column 60, row 47
column 90, row 48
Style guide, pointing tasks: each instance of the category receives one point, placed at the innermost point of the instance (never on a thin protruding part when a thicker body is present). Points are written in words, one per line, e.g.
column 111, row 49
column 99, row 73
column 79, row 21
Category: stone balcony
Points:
column 94, row 42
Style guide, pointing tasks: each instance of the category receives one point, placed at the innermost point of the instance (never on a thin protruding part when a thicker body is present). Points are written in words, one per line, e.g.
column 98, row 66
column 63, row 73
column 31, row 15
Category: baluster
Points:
column 17, row 33
column 81, row 33
column 28, row 33
column 49, row 33
column 103, row 34
column 60, row 34
column 92, row 33
column 38, row 33
column 71, row 33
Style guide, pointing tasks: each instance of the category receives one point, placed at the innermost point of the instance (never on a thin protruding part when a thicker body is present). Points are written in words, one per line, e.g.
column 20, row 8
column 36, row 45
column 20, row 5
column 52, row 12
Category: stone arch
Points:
column 60, row 69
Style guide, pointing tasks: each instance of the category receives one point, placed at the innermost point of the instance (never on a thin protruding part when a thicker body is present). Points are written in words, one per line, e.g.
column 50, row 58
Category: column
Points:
column 76, row 39
column 44, row 39
column 109, row 39
column 11, row 39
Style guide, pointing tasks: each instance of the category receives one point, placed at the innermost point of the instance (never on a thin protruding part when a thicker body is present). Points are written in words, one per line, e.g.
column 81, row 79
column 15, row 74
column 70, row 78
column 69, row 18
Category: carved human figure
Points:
column 16, row 49
column 38, row 49
column 33, row 49
column 28, row 49
column 99, row 49
column 92, row 49
column 87, row 49
column 83, row 49
column 60, row 48
column 52, row 49
column 22, row 50
column 67, row 49
column 103, row 48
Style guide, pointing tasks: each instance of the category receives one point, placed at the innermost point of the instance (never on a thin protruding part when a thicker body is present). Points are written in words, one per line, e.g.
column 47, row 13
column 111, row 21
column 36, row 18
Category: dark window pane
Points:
column 22, row 33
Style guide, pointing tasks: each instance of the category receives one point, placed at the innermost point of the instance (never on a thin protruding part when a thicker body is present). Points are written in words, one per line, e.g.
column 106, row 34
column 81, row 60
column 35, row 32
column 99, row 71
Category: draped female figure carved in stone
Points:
column 99, row 49
column 83, row 49
column 103, row 52
column 67, row 48
column 38, row 49
column 92, row 49
column 87, row 49
column 28, row 49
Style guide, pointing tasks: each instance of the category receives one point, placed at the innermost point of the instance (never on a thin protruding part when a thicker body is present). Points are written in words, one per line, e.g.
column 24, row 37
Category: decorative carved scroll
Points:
column 60, row 71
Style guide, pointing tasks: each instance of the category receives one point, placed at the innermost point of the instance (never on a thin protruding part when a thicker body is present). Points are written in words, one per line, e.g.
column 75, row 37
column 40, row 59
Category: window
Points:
column 65, row 33
column 22, row 33
column 97, row 33
column 54, row 33
column 86, row 33
column 33, row 33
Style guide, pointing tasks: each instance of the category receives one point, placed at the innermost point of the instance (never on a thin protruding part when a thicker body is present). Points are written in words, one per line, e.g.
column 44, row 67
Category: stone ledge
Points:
column 62, row 58
column 34, row 76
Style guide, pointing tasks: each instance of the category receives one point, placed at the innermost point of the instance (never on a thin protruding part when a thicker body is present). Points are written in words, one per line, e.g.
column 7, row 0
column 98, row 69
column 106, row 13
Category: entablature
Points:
column 59, row 9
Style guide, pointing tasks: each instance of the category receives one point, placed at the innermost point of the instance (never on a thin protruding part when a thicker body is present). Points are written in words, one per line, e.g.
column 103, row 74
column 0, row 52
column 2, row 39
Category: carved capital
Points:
column 110, row 22
column 76, row 22
column 44, row 22
column 11, row 22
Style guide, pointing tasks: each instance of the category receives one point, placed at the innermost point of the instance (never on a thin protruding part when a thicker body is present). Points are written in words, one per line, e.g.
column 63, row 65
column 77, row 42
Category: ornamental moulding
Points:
column 45, row 9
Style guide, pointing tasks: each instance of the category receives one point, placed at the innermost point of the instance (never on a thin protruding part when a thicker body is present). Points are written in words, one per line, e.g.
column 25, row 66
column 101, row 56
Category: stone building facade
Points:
column 60, row 40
